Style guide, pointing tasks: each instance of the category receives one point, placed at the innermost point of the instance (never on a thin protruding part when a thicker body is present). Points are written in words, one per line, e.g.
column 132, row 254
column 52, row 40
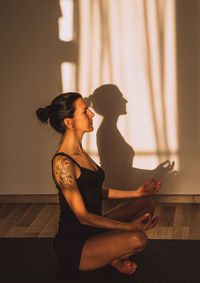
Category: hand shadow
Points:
column 116, row 155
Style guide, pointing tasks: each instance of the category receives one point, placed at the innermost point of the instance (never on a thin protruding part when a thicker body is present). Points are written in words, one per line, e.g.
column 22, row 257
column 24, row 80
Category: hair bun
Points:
column 43, row 114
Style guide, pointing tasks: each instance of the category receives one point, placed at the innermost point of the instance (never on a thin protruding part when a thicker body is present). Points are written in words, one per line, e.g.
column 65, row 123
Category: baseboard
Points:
column 53, row 198
column 47, row 198
column 176, row 198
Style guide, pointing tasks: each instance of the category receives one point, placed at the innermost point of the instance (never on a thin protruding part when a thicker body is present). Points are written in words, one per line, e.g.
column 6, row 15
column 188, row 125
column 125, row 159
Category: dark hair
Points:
column 60, row 108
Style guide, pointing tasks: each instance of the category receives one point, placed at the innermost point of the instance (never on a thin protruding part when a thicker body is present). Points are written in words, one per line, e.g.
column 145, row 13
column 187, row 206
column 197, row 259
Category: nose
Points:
column 91, row 113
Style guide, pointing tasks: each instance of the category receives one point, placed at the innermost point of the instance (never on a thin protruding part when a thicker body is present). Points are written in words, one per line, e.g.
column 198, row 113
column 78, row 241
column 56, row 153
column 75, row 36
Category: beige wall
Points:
column 188, row 63
column 31, row 54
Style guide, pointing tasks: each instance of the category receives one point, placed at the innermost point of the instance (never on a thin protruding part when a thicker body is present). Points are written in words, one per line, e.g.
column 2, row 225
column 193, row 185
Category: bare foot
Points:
column 124, row 266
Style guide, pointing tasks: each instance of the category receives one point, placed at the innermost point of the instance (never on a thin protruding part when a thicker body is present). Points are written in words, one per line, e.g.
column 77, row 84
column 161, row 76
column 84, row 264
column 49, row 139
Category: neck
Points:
column 72, row 142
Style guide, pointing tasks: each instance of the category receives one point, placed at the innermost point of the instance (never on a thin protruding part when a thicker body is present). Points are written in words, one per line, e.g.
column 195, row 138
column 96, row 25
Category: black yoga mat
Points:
column 163, row 261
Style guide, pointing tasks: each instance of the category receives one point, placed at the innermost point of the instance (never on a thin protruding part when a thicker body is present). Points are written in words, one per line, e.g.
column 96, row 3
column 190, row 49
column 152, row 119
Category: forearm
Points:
column 95, row 220
column 111, row 193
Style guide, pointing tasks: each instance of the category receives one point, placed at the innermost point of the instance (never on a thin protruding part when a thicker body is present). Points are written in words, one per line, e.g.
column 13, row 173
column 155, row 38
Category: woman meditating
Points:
column 86, row 239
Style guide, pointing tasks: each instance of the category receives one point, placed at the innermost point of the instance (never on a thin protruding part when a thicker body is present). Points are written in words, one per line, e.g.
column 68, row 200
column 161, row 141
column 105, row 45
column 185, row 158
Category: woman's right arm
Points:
column 64, row 173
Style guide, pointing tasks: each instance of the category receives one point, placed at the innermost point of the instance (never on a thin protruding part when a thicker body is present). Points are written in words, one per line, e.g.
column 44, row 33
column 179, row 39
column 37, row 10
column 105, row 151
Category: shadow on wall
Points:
column 116, row 155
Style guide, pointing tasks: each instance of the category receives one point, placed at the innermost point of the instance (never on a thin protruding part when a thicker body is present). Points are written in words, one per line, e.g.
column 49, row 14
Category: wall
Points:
column 31, row 55
column 188, row 45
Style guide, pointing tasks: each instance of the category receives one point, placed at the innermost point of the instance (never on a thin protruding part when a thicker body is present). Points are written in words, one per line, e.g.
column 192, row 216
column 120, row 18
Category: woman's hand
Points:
column 144, row 223
column 149, row 188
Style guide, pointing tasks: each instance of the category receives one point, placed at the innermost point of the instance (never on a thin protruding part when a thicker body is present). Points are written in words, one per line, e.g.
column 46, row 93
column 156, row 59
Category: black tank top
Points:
column 90, row 186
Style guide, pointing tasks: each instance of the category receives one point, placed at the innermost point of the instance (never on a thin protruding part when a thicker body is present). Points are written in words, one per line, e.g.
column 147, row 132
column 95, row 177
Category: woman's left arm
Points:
column 148, row 188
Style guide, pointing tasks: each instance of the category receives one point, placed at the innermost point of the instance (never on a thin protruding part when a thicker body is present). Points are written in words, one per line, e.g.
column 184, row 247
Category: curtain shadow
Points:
column 105, row 35
column 149, row 71
column 161, row 39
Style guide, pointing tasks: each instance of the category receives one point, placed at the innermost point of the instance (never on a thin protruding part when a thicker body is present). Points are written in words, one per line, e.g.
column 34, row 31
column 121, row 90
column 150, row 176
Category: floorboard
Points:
column 40, row 220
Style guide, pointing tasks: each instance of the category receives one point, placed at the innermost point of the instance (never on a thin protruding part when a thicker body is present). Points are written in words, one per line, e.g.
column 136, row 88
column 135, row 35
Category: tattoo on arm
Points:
column 63, row 173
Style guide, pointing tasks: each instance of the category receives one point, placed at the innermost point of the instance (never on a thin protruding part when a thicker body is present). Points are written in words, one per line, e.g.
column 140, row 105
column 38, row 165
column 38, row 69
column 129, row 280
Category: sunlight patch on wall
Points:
column 65, row 22
column 138, row 54
column 152, row 101
column 68, row 76
column 170, row 84
column 89, row 61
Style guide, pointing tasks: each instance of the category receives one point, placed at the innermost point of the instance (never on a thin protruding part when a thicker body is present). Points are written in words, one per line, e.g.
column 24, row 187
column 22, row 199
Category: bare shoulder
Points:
column 64, row 170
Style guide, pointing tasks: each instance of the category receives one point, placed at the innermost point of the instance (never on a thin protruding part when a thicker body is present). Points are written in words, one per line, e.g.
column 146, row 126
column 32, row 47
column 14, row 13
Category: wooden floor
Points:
column 177, row 221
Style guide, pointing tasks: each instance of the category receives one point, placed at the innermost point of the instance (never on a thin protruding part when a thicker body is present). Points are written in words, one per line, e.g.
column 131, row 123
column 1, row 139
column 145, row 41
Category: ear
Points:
column 68, row 123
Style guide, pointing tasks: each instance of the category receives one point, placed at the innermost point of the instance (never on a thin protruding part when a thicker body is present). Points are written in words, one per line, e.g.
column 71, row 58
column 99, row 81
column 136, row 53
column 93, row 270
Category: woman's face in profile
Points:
column 82, row 120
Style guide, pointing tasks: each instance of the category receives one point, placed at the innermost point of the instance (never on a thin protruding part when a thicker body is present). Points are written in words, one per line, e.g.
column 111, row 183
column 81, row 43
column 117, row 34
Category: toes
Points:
column 125, row 266
column 132, row 268
column 129, row 267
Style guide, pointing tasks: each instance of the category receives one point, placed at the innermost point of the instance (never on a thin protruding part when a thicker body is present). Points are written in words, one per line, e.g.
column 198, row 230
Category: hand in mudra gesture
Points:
column 144, row 222
column 149, row 188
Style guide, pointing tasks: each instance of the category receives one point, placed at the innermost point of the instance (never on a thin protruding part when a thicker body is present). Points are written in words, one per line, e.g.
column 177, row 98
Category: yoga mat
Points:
column 163, row 261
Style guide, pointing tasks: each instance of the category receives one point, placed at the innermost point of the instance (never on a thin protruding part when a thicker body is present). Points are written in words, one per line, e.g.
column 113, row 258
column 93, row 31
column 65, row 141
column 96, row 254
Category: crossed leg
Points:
column 113, row 247
column 102, row 249
column 132, row 209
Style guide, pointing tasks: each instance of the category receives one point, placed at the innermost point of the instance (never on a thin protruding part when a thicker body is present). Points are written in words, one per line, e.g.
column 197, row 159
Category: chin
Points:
column 91, row 128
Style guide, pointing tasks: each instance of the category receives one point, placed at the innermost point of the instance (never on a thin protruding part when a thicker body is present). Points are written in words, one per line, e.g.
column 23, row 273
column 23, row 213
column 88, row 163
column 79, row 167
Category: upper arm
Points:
column 65, row 177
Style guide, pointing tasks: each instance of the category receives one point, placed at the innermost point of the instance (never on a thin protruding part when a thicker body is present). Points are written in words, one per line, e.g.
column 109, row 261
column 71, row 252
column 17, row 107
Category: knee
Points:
column 139, row 240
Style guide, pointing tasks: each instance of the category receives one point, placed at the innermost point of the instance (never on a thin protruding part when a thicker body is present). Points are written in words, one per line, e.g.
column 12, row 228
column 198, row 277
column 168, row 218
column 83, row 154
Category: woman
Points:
column 86, row 240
